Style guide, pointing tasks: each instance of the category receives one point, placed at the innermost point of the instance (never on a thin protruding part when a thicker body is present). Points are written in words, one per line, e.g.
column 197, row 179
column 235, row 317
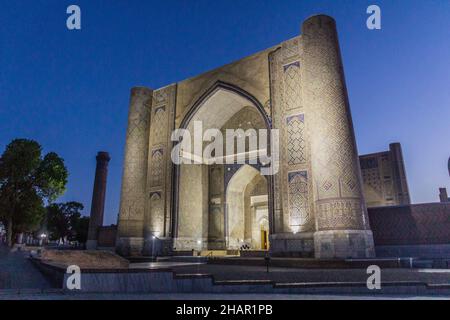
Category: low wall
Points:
column 419, row 230
column 426, row 251
column 53, row 273
column 419, row 224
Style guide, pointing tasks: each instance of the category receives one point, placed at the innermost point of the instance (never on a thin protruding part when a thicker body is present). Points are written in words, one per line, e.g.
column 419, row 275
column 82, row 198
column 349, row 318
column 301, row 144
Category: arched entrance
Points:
column 201, row 218
column 246, row 216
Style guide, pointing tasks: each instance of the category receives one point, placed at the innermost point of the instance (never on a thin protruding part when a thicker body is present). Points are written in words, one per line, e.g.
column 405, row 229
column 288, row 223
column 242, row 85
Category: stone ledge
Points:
column 191, row 275
column 244, row 282
column 63, row 269
column 166, row 280
column 311, row 263
column 346, row 284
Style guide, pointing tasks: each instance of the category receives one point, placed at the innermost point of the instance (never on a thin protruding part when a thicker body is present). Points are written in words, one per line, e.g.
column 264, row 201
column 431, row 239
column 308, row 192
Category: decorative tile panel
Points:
column 298, row 198
column 157, row 167
column 295, row 139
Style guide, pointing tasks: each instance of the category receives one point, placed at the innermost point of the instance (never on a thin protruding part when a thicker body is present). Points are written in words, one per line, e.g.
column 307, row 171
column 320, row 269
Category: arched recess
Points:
column 243, row 221
column 218, row 104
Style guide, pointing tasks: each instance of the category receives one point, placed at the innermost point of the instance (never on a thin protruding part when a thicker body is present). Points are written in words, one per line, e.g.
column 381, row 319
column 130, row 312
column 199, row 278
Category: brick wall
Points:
column 107, row 236
column 417, row 224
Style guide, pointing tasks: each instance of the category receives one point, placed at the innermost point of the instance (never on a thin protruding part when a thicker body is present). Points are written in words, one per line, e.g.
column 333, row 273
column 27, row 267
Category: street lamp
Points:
column 154, row 238
column 43, row 237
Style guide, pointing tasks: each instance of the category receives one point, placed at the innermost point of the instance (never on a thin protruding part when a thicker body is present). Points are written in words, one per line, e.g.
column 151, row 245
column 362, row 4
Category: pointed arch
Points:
column 218, row 93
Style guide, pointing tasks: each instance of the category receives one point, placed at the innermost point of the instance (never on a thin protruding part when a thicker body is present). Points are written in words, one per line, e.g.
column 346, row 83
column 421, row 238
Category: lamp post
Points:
column 43, row 237
column 154, row 238
column 199, row 243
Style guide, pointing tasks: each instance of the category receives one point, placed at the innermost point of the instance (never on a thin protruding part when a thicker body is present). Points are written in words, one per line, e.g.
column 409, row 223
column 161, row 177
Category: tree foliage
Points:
column 27, row 182
column 64, row 220
column 81, row 228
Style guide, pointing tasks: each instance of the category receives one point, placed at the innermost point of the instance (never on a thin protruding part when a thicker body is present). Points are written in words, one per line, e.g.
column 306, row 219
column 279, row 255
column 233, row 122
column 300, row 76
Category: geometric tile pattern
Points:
column 157, row 164
column 290, row 49
column 292, row 87
column 289, row 116
column 296, row 142
column 134, row 180
column 276, row 88
column 339, row 200
column 156, row 213
column 339, row 214
column 159, row 125
column 298, row 198
column 277, row 114
column 160, row 174
column 160, row 96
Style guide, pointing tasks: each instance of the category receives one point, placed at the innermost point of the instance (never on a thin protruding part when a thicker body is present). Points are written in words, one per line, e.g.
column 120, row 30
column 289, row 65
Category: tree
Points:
column 30, row 213
column 81, row 228
column 27, row 182
column 63, row 220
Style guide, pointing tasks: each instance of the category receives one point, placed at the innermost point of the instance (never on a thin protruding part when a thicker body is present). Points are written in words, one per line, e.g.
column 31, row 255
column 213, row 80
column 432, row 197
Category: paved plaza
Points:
column 203, row 296
column 17, row 272
column 19, row 279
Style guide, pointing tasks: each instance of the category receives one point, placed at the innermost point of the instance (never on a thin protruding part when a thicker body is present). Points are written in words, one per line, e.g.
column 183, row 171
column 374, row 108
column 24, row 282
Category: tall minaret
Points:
column 98, row 199
column 342, row 225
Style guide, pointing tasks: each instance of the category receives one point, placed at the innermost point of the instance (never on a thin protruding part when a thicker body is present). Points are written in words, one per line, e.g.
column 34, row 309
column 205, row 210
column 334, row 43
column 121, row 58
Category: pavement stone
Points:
column 17, row 272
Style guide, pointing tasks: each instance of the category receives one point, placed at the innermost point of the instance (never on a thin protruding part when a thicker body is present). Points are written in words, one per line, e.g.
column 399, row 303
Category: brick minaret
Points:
column 98, row 199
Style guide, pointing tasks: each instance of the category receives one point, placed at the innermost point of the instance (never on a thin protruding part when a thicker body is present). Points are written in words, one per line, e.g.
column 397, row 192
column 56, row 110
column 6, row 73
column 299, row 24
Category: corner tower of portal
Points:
column 342, row 226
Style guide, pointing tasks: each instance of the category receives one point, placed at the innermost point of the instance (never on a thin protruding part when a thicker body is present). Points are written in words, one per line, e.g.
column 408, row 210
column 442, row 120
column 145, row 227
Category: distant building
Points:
column 443, row 196
column 384, row 178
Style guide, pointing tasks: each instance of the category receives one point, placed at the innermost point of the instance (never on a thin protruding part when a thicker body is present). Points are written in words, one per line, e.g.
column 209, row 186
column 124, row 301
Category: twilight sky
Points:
column 69, row 90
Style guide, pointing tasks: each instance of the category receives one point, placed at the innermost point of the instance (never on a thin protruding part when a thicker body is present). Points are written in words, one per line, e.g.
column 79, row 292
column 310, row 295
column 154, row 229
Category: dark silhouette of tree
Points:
column 27, row 182
column 64, row 220
column 81, row 228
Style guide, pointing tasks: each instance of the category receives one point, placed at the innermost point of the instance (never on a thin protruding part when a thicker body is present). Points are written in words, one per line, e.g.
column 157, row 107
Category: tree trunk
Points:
column 9, row 232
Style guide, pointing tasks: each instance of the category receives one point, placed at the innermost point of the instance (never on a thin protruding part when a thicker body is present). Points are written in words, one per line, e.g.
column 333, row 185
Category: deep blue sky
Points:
column 69, row 90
